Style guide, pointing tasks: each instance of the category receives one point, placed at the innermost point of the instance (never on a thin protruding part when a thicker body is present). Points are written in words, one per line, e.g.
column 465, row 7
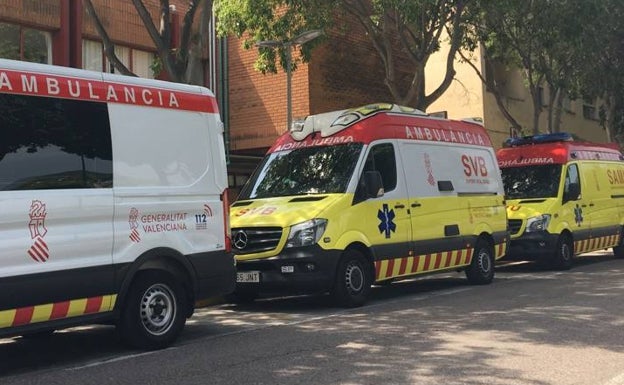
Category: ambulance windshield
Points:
column 531, row 181
column 307, row 170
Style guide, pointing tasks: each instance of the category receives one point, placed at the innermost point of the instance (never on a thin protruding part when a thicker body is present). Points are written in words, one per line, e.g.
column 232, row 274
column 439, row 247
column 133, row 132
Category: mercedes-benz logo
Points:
column 240, row 239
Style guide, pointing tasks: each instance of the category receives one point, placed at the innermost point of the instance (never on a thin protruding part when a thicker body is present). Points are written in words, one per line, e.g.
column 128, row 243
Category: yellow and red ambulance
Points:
column 564, row 197
column 372, row 194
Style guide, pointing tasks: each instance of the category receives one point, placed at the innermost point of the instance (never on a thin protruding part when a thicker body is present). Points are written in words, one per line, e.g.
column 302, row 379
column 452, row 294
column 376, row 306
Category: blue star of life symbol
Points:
column 386, row 218
column 578, row 215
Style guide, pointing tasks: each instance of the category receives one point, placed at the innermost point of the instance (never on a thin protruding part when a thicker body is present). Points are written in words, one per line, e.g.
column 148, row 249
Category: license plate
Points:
column 248, row 276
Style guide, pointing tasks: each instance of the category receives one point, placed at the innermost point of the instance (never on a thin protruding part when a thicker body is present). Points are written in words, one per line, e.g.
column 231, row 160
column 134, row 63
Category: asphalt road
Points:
column 530, row 326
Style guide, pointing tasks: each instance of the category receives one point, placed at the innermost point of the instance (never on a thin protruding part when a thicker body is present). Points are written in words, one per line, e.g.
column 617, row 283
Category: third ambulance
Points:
column 564, row 197
column 372, row 194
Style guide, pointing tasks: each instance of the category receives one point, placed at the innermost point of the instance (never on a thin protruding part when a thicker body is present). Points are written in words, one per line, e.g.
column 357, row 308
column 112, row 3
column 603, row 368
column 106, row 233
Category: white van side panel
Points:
column 471, row 169
column 163, row 159
column 69, row 229
column 178, row 174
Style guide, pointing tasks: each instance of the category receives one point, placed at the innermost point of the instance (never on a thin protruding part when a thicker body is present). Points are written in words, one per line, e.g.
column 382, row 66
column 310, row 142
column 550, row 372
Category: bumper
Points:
column 308, row 269
column 215, row 274
column 533, row 246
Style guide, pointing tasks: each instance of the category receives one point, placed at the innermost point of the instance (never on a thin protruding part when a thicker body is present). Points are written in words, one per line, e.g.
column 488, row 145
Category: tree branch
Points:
column 109, row 47
column 163, row 45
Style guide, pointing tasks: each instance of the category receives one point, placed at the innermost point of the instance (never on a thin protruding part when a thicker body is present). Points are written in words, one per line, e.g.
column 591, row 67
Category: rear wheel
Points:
column 481, row 270
column 564, row 253
column 353, row 280
column 153, row 314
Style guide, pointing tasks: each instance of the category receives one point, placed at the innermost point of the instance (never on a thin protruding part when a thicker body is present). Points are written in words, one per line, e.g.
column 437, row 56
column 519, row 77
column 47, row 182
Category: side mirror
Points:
column 373, row 184
column 574, row 191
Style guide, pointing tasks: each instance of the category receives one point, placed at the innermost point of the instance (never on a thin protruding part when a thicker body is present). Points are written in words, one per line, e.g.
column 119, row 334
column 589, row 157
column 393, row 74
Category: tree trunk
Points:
column 610, row 117
column 558, row 110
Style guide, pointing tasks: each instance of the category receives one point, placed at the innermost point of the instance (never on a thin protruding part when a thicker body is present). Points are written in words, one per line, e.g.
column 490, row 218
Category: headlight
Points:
column 539, row 223
column 306, row 233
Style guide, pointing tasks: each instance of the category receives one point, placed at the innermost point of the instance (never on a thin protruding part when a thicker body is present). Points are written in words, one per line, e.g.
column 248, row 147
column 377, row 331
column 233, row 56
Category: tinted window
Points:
column 48, row 143
column 572, row 177
column 381, row 158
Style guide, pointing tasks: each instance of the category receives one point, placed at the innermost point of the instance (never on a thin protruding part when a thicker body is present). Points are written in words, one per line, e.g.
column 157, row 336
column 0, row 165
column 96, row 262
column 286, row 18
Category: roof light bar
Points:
column 538, row 139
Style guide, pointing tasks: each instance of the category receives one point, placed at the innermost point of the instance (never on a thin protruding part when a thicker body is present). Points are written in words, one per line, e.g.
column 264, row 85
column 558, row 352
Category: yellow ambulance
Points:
column 564, row 197
column 369, row 195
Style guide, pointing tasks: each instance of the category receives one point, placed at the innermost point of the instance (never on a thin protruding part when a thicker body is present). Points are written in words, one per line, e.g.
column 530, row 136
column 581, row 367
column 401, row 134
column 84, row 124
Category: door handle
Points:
column 416, row 204
column 399, row 206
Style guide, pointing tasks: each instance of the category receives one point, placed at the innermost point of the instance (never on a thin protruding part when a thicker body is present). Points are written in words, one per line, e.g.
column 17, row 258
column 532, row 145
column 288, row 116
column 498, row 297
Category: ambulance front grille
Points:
column 514, row 225
column 247, row 240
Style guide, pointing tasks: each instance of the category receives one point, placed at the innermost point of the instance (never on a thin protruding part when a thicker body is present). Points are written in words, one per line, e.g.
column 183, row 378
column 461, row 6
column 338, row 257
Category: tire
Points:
column 353, row 280
column 564, row 253
column 481, row 269
column 153, row 314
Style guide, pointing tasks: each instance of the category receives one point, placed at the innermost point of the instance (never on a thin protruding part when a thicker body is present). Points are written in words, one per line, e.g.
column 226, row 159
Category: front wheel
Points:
column 353, row 280
column 481, row 269
column 562, row 260
column 153, row 314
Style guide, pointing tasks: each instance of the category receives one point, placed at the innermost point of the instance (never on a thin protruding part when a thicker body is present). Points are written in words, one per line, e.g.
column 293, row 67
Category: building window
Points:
column 137, row 61
column 27, row 44
column 92, row 55
column 142, row 63
column 590, row 111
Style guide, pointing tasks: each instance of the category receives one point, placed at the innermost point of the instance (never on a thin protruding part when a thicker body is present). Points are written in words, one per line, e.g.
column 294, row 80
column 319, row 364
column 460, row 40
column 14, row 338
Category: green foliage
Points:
column 279, row 20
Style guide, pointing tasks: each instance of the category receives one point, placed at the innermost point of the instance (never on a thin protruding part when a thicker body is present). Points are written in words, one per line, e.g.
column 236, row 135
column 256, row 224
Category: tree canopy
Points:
column 400, row 31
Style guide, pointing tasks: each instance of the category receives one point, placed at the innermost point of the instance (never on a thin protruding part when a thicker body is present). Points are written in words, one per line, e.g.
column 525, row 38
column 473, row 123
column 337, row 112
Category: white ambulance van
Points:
column 369, row 195
column 564, row 197
column 112, row 200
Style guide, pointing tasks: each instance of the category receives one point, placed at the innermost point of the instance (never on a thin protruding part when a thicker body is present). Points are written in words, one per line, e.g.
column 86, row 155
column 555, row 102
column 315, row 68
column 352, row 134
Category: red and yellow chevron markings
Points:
column 398, row 267
column 405, row 266
column 51, row 311
column 588, row 245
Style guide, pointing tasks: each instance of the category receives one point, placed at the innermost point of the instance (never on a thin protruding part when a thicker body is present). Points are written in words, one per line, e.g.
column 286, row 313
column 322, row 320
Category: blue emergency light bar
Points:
column 538, row 139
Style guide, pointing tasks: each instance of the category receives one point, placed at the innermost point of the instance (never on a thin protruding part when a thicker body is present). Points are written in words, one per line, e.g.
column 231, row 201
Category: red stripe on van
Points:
column 449, row 257
column 427, row 262
column 93, row 305
column 377, row 267
column 469, row 255
column 23, row 316
column 458, row 258
column 403, row 266
column 438, row 261
column 59, row 310
column 48, row 85
column 390, row 268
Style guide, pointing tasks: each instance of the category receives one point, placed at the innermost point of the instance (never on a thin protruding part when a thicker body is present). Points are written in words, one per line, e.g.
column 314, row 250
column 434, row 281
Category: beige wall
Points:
column 466, row 97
